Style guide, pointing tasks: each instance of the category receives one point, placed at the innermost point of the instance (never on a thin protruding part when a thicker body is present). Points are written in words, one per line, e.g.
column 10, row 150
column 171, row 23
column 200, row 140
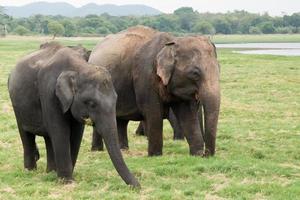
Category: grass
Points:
column 258, row 154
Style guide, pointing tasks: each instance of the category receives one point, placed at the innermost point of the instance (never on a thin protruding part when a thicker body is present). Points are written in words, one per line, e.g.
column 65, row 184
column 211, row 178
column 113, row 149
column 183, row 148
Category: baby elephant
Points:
column 54, row 91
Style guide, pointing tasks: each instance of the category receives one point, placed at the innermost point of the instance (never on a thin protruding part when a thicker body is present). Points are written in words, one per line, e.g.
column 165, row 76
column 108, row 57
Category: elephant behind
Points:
column 159, row 72
column 54, row 91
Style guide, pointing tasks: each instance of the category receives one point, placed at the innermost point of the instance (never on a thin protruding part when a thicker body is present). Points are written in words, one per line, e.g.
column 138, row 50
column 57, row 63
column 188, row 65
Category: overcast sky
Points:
column 273, row 7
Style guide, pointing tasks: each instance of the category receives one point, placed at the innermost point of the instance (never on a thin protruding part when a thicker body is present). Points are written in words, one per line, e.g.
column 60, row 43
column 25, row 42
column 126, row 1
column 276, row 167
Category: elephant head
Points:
column 88, row 94
column 188, row 68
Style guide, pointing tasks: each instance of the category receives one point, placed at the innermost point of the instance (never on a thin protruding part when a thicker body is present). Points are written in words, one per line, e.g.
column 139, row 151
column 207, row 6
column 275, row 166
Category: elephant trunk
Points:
column 211, row 107
column 108, row 130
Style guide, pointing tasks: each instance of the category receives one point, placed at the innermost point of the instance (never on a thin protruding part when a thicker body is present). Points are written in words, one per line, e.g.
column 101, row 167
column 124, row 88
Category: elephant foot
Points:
column 66, row 180
column 156, row 153
column 30, row 164
column 124, row 147
column 30, row 168
column 50, row 169
column 140, row 132
column 209, row 153
column 97, row 148
column 198, row 153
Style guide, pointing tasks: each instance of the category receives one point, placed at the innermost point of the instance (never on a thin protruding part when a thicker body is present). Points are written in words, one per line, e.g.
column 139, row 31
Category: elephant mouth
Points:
column 88, row 121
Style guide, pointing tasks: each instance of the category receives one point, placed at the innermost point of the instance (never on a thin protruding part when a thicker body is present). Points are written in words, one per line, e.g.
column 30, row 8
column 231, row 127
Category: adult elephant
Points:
column 53, row 92
column 160, row 72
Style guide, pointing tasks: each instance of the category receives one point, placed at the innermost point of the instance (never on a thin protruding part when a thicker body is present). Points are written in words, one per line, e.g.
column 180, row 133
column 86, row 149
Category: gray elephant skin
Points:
column 154, row 71
column 53, row 92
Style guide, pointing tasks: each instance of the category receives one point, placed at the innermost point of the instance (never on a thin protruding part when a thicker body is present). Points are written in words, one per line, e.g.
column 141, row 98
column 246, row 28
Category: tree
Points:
column 70, row 28
column 222, row 26
column 254, row 30
column 267, row 27
column 56, row 28
column 204, row 28
column 187, row 17
column 4, row 18
column 103, row 30
column 21, row 30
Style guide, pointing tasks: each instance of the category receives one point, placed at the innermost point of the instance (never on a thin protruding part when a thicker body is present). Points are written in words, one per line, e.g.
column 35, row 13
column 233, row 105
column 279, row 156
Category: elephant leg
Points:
column 62, row 153
column 153, row 127
column 76, row 137
column 31, row 154
column 178, row 134
column 187, row 115
column 122, row 132
column 51, row 166
column 141, row 129
column 97, row 142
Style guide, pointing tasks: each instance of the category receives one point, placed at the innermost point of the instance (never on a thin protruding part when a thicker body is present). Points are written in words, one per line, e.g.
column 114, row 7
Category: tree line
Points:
column 184, row 20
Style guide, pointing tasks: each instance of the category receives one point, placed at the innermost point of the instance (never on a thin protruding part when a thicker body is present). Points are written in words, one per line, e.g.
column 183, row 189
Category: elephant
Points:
column 54, row 92
column 177, row 131
column 156, row 72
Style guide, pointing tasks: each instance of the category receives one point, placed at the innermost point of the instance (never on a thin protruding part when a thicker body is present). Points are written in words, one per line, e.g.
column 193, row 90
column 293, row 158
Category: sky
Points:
column 273, row 7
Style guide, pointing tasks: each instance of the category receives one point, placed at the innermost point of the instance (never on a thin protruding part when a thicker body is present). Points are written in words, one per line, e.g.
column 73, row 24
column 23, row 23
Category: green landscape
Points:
column 258, row 154
column 184, row 20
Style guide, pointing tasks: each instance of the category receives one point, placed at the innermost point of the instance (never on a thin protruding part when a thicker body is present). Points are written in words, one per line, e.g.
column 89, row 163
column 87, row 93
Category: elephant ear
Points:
column 65, row 89
column 165, row 62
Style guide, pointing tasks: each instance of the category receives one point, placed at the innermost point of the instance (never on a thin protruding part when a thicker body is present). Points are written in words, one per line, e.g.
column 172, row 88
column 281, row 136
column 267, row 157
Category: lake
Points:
column 285, row 49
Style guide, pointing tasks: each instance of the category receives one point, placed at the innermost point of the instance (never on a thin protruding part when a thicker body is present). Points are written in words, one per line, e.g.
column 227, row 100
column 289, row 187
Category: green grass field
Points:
column 258, row 144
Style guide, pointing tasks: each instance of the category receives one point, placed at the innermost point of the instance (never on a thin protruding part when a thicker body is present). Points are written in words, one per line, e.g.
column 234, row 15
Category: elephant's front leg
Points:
column 187, row 116
column 60, row 138
column 76, row 137
column 51, row 166
column 153, row 127
column 122, row 133
column 97, row 142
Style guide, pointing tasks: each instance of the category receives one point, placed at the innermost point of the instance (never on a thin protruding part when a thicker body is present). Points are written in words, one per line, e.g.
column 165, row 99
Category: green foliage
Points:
column 103, row 30
column 267, row 27
column 21, row 30
column 184, row 20
column 187, row 17
column 204, row 28
column 258, row 154
column 222, row 26
column 284, row 30
column 254, row 30
column 70, row 28
column 56, row 28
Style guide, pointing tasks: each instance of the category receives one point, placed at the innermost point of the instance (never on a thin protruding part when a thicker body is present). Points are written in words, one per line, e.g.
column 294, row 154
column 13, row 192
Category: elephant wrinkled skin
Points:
column 53, row 91
column 154, row 71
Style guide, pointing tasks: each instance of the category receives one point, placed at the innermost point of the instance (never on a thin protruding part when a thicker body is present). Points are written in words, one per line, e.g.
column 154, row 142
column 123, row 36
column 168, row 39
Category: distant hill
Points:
column 65, row 9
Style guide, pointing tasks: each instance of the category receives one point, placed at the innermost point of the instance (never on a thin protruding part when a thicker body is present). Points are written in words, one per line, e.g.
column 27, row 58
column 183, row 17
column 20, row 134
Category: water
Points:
column 285, row 49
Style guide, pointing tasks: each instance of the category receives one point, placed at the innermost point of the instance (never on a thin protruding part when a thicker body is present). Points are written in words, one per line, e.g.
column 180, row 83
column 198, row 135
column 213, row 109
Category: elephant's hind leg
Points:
column 140, row 129
column 31, row 154
column 122, row 132
column 97, row 142
column 51, row 165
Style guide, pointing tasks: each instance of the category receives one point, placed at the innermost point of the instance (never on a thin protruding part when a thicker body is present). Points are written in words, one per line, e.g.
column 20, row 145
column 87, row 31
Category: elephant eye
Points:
column 90, row 103
column 194, row 74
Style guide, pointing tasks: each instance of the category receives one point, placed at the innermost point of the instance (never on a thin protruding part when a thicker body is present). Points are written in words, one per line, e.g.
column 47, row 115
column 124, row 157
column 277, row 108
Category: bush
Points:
column 254, row 30
column 267, row 27
column 56, row 28
column 284, row 30
column 204, row 28
column 103, row 30
column 21, row 30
